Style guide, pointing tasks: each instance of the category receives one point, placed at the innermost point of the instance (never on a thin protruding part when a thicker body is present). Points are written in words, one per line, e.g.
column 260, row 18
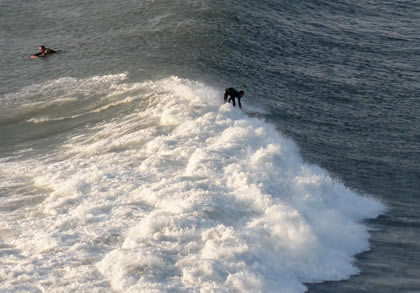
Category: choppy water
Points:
column 122, row 171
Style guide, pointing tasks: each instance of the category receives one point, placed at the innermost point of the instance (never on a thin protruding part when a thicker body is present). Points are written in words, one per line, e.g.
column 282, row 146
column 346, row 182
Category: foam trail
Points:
column 183, row 194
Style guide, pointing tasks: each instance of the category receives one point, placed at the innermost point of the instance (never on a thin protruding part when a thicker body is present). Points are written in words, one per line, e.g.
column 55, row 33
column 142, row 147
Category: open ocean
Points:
column 121, row 170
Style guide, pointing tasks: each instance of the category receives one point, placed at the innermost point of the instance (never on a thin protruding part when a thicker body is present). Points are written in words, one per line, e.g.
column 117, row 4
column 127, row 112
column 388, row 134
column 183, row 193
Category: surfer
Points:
column 232, row 94
column 43, row 52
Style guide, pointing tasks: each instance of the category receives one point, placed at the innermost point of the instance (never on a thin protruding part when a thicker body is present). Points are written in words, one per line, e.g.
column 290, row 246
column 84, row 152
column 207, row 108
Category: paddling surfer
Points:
column 43, row 52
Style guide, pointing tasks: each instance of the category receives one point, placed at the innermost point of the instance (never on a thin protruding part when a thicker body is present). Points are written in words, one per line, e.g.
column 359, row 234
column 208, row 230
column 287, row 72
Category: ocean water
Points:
column 121, row 170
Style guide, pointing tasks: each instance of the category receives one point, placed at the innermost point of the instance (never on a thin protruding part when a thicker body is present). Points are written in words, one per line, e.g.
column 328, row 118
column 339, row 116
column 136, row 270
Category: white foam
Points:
column 62, row 88
column 183, row 194
column 61, row 99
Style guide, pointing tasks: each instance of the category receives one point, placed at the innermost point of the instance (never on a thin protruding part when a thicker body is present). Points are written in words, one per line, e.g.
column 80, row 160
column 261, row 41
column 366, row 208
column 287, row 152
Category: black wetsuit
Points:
column 44, row 53
column 232, row 93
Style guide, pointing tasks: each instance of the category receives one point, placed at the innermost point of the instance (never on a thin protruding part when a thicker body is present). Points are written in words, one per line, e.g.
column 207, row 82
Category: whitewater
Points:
column 157, row 186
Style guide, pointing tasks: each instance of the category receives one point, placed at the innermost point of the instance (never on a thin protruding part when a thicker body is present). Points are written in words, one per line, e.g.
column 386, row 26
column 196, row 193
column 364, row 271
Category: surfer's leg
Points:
column 233, row 101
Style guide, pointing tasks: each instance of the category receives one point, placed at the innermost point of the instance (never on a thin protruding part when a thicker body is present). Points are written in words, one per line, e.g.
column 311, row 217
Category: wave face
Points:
column 157, row 187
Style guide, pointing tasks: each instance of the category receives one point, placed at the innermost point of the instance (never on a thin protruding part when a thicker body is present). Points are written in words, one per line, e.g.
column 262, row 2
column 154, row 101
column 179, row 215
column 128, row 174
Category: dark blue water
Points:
column 341, row 78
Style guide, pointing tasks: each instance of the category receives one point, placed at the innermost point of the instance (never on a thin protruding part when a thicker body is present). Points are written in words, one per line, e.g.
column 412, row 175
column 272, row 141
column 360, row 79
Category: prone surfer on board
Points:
column 232, row 94
column 43, row 52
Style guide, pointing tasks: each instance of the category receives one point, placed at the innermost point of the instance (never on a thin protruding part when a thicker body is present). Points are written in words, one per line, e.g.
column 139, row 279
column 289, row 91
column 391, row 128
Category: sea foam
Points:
column 177, row 192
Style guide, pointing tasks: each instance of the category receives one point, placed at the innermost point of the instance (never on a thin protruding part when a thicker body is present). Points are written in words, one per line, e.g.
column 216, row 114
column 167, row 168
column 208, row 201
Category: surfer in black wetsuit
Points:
column 232, row 94
column 43, row 52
